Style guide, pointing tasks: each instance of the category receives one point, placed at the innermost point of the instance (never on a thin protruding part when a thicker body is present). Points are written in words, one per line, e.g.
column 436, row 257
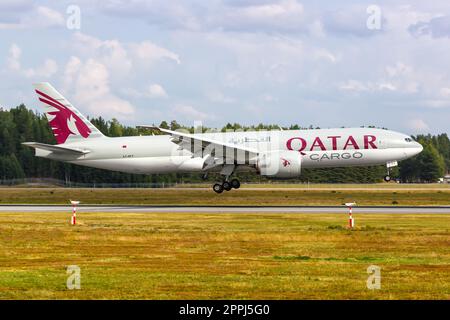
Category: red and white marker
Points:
column 73, row 219
column 351, row 221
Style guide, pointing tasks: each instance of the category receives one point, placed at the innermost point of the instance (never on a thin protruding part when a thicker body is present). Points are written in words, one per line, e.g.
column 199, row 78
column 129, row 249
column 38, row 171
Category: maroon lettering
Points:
column 317, row 143
column 351, row 142
column 369, row 141
column 302, row 143
column 334, row 141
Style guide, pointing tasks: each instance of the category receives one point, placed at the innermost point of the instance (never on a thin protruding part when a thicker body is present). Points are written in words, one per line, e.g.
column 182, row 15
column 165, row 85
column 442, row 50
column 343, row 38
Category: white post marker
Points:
column 73, row 220
column 351, row 221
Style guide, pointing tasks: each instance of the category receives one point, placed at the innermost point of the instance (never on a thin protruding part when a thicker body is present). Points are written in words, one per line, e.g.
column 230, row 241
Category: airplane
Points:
column 274, row 154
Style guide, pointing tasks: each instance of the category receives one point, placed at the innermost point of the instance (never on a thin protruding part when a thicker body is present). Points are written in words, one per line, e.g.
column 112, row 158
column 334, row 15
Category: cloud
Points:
column 111, row 53
column 47, row 70
column 436, row 103
column 252, row 16
column 122, row 56
column 358, row 86
column 437, row 27
column 322, row 54
column 148, row 52
column 101, row 70
column 350, row 21
column 189, row 113
column 25, row 15
column 219, row 97
column 353, row 85
column 11, row 10
column 417, row 125
column 237, row 54
column 445, row 92
column 398, row 77
column 45, row 17
column 156, row 91
column 88, row 83
column 398, row 69
column 157, row 12
column 153, row 90
column 203, row 16
column 13, row 60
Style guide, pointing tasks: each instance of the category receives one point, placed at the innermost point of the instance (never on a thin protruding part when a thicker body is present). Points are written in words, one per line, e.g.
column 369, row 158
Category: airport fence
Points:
column 50, row 182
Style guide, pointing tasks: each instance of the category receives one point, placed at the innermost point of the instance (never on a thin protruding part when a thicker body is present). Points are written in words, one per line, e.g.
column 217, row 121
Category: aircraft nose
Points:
column 413, row 149
column 418, row 148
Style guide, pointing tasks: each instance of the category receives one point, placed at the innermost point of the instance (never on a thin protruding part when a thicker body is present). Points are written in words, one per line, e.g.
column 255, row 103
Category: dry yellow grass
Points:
column 224, row 256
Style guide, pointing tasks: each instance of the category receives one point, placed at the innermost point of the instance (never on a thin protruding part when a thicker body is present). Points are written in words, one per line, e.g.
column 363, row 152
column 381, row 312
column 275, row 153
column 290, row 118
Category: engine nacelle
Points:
column 195, row 164
column 280, row 164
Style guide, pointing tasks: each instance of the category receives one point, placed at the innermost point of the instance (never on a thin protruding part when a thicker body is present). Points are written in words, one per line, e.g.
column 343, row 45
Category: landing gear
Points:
column 218, row 188
column 389, row 165
column 235, row 184
column 226, row 185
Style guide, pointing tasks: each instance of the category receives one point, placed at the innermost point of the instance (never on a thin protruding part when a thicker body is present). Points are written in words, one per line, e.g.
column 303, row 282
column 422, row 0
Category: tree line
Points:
column 20, row 124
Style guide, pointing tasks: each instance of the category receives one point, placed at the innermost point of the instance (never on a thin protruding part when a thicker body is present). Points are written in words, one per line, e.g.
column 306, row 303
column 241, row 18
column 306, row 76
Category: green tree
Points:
column 431, row 165
column 115, row 128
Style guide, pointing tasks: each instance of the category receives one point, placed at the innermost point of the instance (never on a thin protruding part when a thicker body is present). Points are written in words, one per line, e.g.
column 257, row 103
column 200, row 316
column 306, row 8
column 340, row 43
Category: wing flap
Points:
column 219, row 149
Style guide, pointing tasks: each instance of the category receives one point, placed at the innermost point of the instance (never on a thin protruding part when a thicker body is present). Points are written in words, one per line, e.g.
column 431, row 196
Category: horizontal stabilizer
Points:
column 55, row 148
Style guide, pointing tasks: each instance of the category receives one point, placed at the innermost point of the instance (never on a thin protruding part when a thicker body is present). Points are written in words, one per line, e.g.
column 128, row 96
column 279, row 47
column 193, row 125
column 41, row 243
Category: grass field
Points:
column 334, row 195
column 213, row 256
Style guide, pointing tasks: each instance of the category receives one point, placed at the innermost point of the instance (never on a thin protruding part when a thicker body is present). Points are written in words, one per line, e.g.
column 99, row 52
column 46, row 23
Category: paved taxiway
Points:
column 226, row 209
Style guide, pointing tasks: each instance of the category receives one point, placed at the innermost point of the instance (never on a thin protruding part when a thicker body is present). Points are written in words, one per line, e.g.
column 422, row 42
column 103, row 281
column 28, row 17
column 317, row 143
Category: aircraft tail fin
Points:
column 66, row 122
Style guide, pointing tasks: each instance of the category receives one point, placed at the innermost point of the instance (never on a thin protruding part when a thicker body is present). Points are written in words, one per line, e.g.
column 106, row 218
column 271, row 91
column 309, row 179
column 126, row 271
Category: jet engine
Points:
column 280, row 164
column 196, row 164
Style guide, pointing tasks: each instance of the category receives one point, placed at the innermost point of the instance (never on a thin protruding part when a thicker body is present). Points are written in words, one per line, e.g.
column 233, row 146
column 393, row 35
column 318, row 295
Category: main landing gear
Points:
column 226, row 185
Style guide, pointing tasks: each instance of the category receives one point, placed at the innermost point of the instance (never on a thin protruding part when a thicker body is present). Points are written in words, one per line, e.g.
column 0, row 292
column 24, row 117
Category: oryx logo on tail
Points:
column 63, row 121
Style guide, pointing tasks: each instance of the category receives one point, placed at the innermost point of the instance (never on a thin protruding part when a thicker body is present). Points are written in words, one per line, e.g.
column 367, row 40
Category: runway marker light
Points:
column 73, row 219
column 351, row 221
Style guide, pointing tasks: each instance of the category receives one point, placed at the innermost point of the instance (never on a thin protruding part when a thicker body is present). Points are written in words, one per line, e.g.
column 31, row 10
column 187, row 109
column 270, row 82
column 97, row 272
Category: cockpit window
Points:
column 408, row 140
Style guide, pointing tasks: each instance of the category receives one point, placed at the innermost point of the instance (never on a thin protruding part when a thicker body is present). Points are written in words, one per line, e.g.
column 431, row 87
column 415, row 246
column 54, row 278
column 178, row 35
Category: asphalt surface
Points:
column 226, row 209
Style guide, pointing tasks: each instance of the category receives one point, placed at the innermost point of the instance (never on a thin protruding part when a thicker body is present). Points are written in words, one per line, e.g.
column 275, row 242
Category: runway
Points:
column 228, row 209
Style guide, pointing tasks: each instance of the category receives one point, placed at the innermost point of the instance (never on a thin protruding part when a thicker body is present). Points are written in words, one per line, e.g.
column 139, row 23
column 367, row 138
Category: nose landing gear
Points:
column 389, row 165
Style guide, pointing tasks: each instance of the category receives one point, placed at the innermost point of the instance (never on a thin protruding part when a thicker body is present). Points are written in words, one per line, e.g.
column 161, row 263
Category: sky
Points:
column 321, row 63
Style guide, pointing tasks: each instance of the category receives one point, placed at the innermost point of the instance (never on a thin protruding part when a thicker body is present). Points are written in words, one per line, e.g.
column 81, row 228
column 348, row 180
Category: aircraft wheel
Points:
column 387, row 178
column 235, row 183
column 226, row 186
column 218, row 188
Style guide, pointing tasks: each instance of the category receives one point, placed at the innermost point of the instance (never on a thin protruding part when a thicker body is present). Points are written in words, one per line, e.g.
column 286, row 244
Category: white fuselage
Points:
column 319, row 148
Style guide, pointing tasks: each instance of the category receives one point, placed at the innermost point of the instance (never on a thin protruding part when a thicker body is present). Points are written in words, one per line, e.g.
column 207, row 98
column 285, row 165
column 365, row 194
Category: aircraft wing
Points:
column 55, row 148
column 217, row 149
